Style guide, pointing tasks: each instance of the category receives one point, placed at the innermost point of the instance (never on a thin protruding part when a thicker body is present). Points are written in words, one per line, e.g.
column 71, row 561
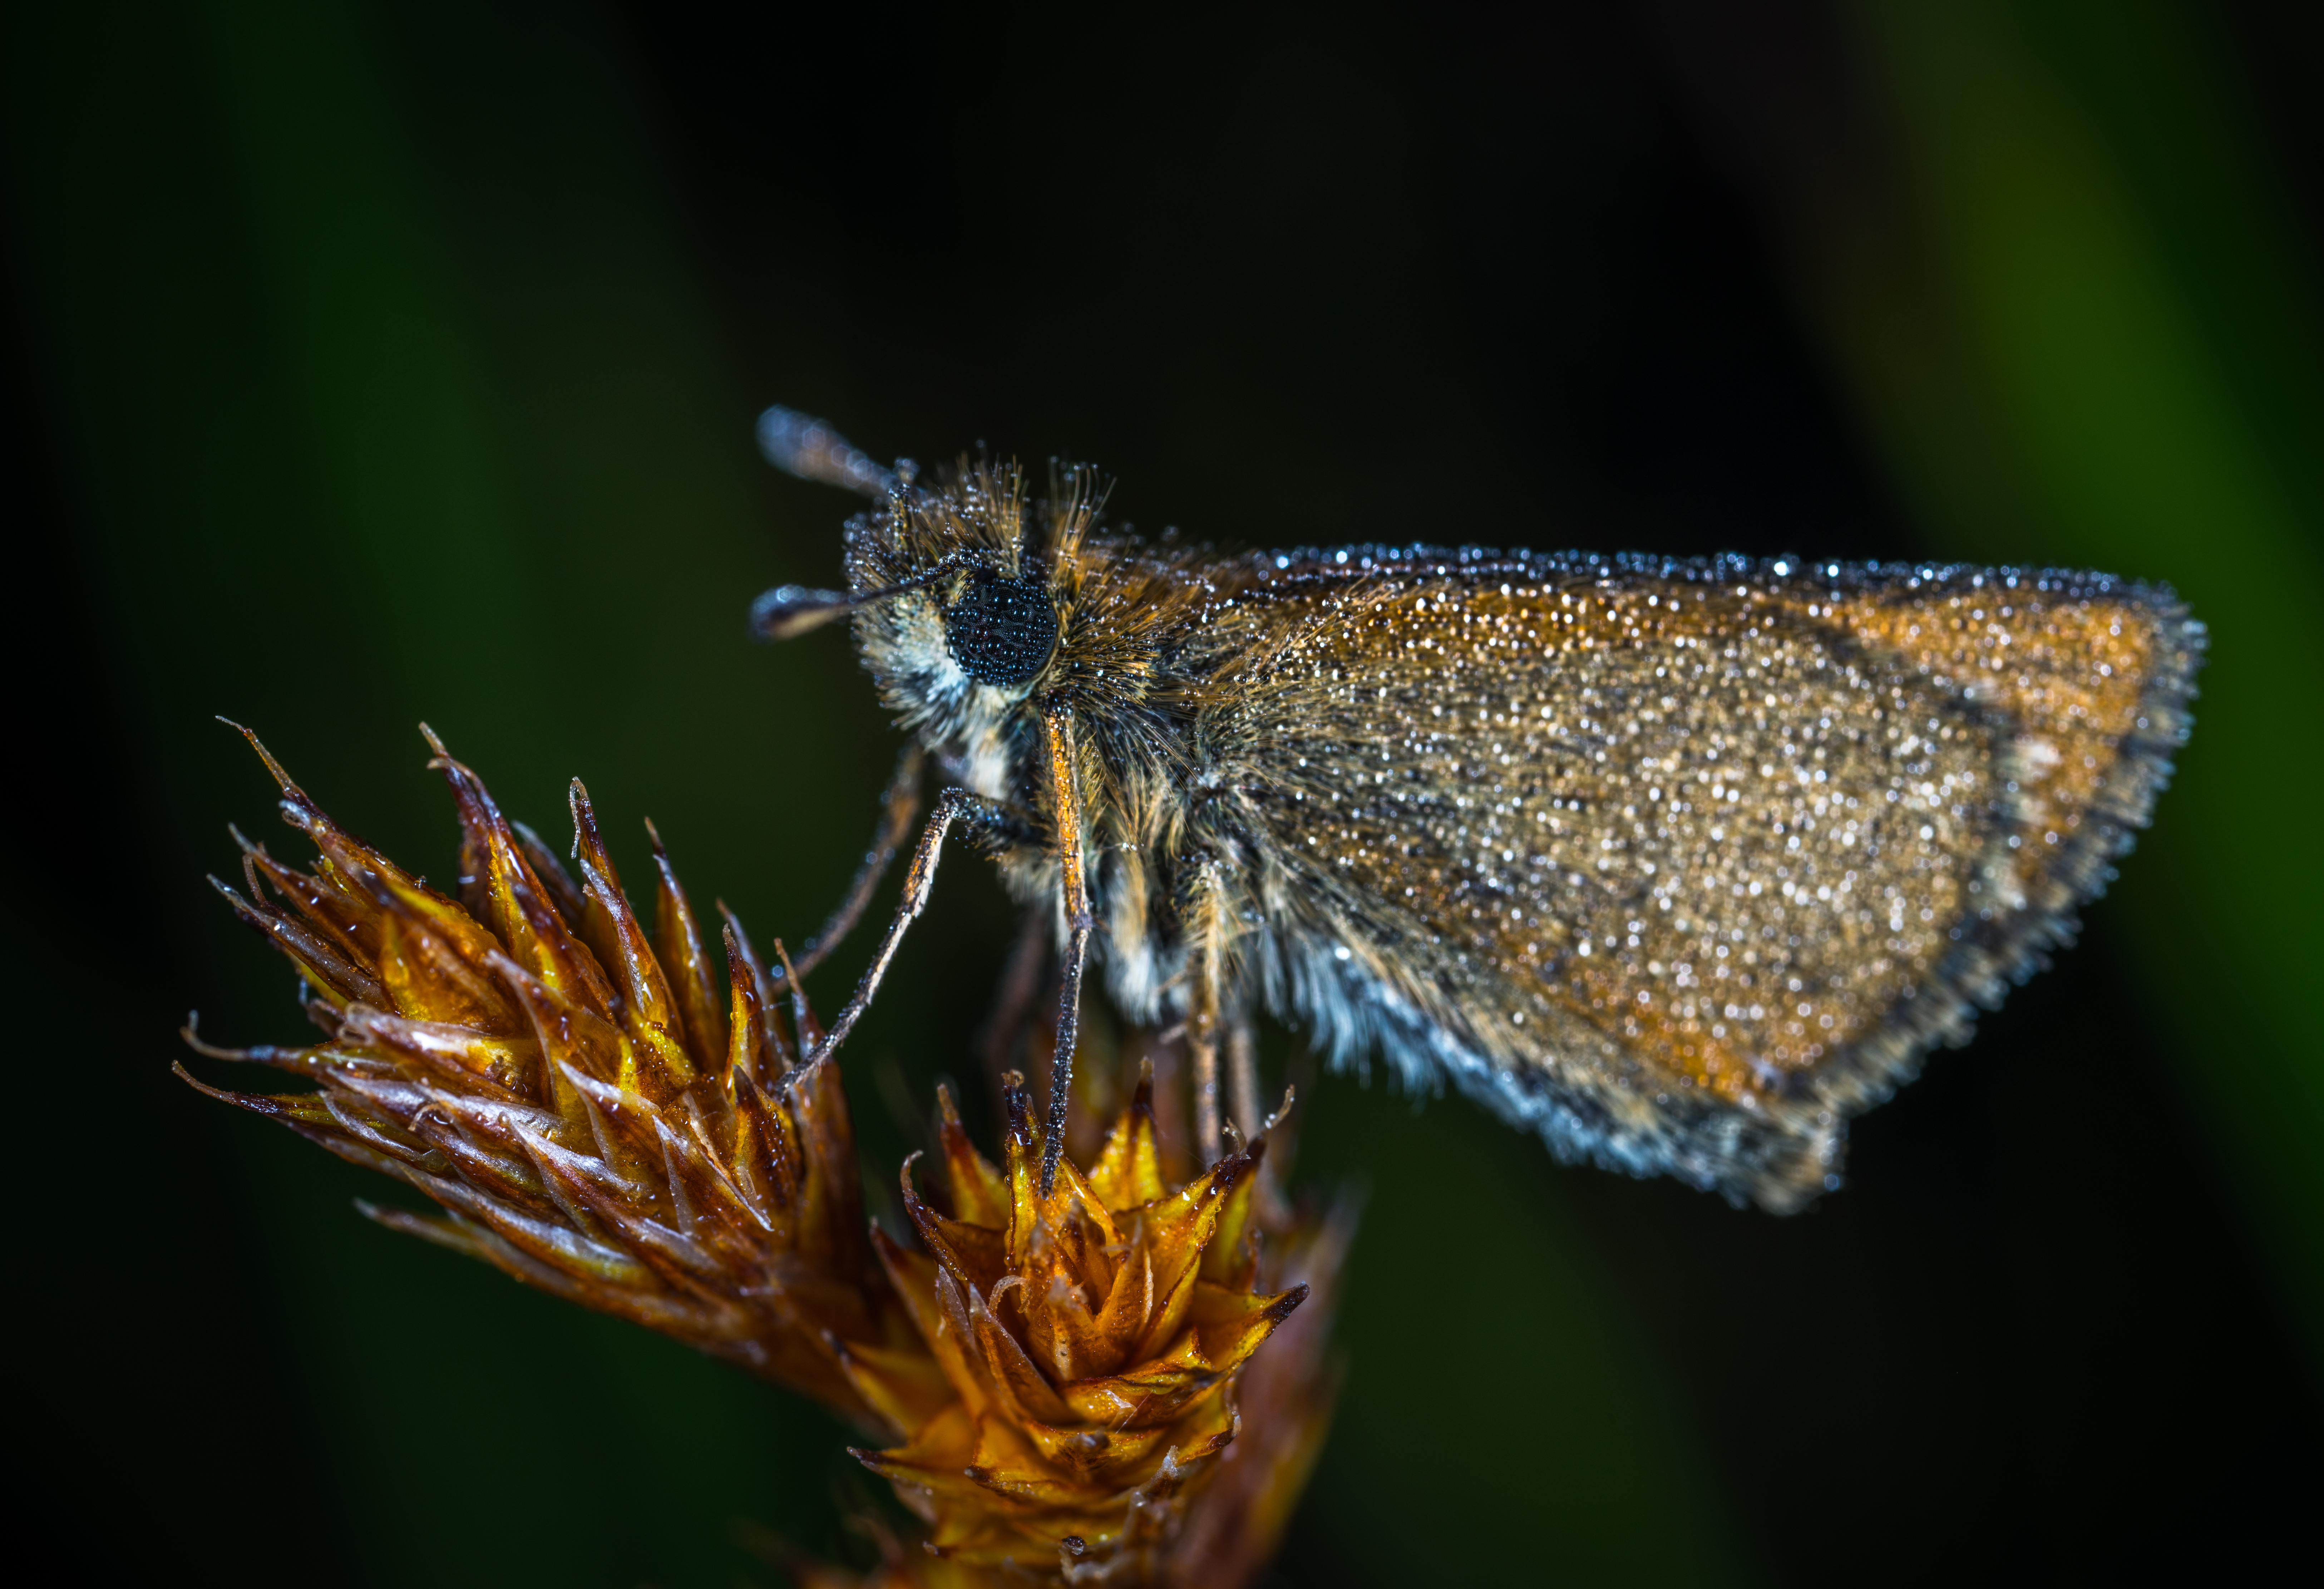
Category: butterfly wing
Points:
column 1683, row 863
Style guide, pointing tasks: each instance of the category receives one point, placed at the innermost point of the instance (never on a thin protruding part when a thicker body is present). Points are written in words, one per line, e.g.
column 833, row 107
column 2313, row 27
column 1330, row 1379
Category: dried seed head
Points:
column 1064, row 1371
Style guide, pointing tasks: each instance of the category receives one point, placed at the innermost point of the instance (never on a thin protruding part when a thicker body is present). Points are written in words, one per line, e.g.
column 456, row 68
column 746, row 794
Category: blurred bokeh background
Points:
column 369, row 362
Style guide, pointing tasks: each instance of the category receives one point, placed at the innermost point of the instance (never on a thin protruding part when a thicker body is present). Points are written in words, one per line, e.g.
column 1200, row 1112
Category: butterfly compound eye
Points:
column 1001, row 631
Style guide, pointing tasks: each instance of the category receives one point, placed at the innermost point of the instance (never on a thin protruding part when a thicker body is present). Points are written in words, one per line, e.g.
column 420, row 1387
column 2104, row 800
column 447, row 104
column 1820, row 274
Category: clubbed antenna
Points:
column 790, row 610
column 800, row 444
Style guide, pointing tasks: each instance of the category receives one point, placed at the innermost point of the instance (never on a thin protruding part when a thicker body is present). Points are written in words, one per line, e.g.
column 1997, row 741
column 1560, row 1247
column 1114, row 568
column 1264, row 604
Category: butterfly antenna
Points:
column 812, row 450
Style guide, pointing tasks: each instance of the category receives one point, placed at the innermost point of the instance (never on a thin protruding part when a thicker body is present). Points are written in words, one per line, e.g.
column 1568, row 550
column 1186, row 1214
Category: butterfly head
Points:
column 956, row 587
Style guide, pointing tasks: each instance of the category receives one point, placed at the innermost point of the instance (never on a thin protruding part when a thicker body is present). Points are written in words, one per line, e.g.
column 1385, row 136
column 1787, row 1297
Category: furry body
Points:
column 1680, row 863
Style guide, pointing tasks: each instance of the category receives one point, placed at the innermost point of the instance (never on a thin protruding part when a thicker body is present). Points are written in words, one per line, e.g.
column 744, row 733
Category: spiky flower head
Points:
column 589, row 1117
column 1070, row 1376
column 1092, row 1340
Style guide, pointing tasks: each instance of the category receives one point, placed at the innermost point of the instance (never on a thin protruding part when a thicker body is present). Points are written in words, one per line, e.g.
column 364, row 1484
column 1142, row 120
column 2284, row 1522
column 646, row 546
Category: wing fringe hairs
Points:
column 1064, row 1388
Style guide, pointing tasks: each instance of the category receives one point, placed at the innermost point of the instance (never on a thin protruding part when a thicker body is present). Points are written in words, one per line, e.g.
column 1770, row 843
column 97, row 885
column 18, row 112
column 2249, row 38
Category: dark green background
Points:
column 374, row 362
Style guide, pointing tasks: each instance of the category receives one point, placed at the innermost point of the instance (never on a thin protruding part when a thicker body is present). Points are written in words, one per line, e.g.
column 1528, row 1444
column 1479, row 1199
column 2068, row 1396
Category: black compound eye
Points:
column 1001, row 631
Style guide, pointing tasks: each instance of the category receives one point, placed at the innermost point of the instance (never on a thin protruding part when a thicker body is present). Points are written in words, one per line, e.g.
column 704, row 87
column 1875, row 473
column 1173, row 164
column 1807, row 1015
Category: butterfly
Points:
column 1680, row 863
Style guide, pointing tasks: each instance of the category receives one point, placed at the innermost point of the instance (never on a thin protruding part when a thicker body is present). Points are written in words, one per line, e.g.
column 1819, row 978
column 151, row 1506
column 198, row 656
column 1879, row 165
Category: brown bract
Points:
column 1062, row 1372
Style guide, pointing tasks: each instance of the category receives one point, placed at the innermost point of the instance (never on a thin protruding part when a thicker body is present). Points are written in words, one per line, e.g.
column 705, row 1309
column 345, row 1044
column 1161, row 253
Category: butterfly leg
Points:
column 897, row 807
column 1243, row 1075
column 987, row 818
column 1021, row 979
column 1066, row 804
column 1205, row 946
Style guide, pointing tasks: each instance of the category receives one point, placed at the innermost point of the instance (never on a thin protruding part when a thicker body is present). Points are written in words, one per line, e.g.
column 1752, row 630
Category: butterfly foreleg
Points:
column 897, row 807
column 987, row 818
column 1064, row 795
